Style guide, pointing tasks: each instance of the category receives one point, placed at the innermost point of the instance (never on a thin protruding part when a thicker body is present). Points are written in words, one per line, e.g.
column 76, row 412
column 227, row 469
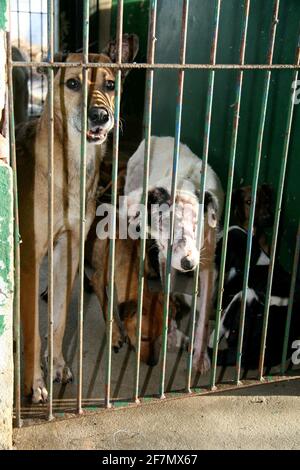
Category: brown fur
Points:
column 126, row 281
column 32, row 157
column 264, row 211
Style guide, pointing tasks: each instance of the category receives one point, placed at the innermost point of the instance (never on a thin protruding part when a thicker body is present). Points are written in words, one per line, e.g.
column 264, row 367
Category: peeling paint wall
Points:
column 6, row 254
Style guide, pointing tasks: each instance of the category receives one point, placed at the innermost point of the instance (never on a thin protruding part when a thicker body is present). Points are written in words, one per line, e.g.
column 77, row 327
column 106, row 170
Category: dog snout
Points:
column 98, row 116
column 151, row 356
column 186, row 264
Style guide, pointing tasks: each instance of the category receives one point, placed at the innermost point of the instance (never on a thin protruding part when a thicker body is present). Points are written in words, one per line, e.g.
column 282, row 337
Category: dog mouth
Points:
column 96, row 135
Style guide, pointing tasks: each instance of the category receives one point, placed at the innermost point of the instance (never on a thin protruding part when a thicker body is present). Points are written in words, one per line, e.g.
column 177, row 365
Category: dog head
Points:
column 101, row 91
column 152, row 321
column 241, row 202
column 185, row 253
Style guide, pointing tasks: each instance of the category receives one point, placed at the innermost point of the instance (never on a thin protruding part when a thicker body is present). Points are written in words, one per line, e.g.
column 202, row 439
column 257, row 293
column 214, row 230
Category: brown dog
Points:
column 264, row 211
column 32, row 156
column 126, row 281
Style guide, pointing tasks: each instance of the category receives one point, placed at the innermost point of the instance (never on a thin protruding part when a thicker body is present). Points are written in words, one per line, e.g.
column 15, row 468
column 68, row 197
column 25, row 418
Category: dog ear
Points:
column 58, row 57
column 127, row 309
column 211, row 209
column 130, row 48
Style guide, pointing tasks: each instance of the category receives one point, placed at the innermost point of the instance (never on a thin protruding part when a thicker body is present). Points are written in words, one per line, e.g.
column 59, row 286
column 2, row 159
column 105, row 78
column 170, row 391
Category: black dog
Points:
column 258, row 275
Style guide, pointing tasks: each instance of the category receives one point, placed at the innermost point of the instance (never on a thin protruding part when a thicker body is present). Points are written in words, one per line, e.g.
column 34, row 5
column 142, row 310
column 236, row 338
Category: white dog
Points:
column 185, row 253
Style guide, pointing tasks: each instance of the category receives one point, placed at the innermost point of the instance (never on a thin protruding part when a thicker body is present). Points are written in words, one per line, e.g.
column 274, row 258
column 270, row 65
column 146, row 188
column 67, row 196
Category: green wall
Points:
column 136, row 13
column 195, row 92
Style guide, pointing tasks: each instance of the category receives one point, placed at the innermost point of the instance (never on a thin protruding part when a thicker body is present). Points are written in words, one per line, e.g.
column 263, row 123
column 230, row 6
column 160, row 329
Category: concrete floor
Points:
column 264, row 417
column 123, row 363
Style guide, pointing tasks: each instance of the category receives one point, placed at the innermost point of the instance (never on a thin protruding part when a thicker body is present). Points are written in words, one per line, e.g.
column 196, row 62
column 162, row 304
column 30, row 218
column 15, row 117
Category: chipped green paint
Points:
column 2, row 324
column 2, row 14
column 6, row 217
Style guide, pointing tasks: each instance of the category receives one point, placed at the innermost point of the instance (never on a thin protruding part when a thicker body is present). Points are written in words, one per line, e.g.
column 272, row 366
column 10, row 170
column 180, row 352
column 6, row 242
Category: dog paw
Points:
column 202, row 363
column 117, row 339
column 39, row 392
column 62, row 374
column 117, row 345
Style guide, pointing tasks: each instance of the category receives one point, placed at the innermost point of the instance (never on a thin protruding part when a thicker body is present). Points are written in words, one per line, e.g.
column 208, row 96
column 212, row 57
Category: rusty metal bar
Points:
column 42, row 51
column 115, row 161
column 144, row 200
column 232, row 157
column 208, row 118
column 281, row 182
column 135, row 65
column 291, row 302
column 50, row 32
column 86, row 12
column 255, row 185
column 167, row 277
column 16, row 304
column 18, row 22
column 30, row 53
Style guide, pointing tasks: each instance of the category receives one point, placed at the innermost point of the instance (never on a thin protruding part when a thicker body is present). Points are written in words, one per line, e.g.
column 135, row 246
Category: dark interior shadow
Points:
column 122, row 373
column 96, row 367
column 289, row 387
column 146, row 381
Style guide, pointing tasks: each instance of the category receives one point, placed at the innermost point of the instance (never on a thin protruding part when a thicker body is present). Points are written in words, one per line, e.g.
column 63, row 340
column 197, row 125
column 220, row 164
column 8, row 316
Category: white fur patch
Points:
column 263, row 260
column 231, row 274
column 278, row 301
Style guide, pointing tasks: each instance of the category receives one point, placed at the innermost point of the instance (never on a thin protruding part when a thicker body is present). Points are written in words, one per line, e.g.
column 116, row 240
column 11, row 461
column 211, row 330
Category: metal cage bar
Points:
column 86, row 8
column 167, row 270
column 18, row 22
column 144, row 200
column 157, row 66
column 291, row 302
column 281, row 182
column 255, row 186
column 42, row 50
column 16, row 302
column 30, row 52
column 109, row 316
column 50, row 205
column 232, row 157
column 208, row 118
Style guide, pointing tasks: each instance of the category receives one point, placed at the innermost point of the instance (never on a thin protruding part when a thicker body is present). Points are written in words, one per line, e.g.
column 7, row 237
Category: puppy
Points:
column 32, row 160
column 264, row 211
column 127, row 255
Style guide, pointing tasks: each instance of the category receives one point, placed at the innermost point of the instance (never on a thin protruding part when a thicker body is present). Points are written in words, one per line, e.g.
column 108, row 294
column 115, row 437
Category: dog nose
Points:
column 98, row 115
column 152, row 360
column 186, row 264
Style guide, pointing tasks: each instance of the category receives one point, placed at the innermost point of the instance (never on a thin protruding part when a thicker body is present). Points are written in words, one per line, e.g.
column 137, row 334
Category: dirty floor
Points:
column 263, row 417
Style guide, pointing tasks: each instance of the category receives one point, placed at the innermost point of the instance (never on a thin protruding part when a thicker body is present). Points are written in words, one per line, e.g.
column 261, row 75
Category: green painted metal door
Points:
column 195, row 92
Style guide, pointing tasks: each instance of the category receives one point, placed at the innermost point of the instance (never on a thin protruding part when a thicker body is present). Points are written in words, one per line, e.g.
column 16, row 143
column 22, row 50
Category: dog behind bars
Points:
column 32, row 158
column 127, row 260
column 185, row 252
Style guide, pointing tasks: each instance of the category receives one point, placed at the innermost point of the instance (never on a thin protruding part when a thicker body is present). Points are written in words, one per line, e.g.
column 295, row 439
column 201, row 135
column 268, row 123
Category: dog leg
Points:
column 65, row 262
column 201, row 359
column 33, row 375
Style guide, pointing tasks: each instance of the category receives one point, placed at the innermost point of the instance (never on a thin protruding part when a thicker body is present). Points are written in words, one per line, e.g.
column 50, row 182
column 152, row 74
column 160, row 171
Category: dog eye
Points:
column 110, row 85
column 248, row 202
column 73, row 84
